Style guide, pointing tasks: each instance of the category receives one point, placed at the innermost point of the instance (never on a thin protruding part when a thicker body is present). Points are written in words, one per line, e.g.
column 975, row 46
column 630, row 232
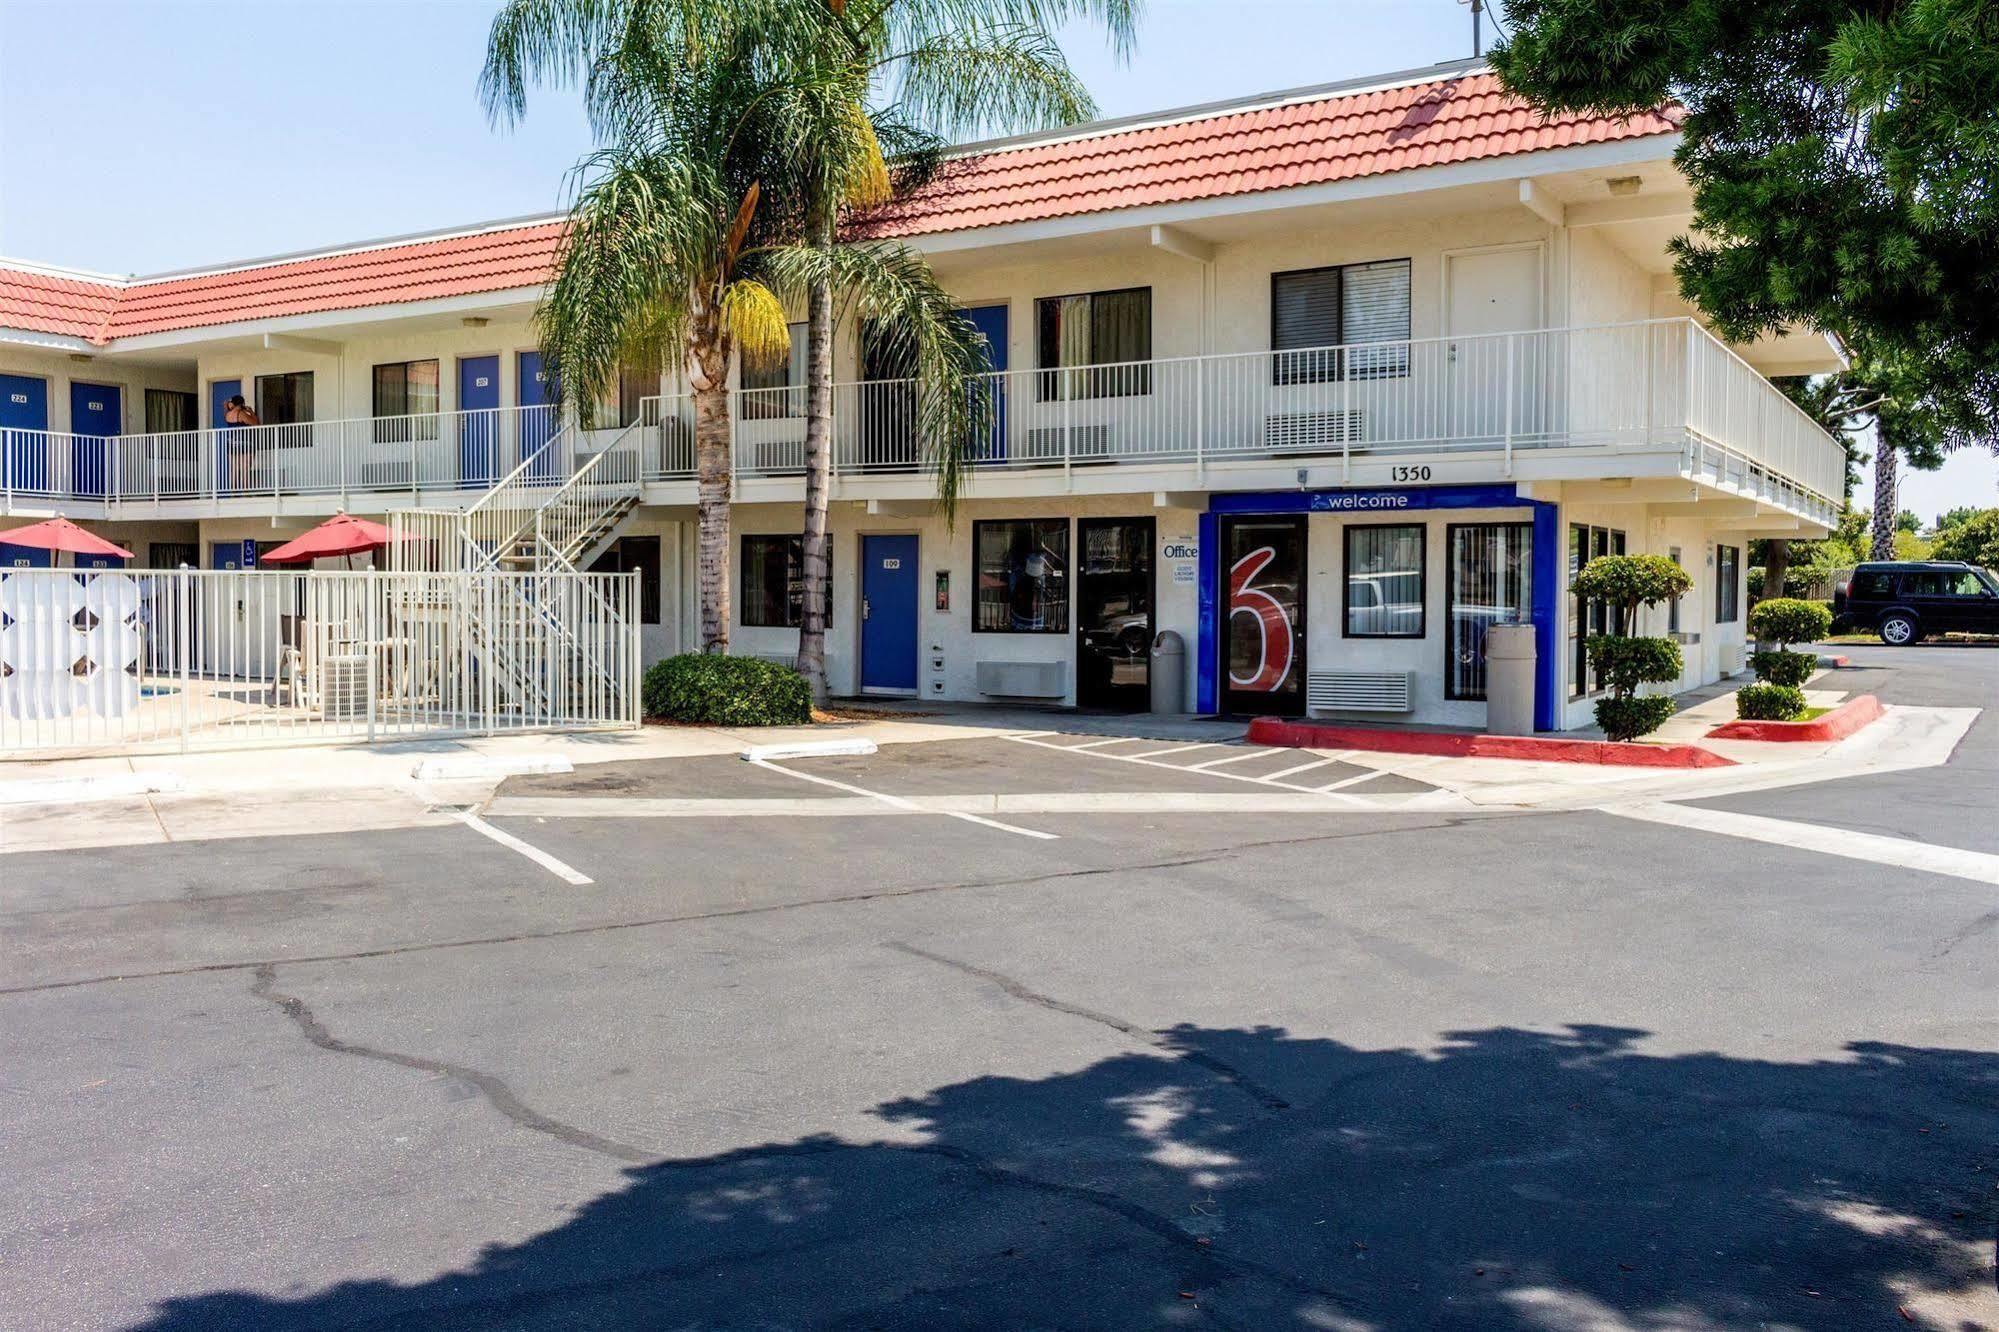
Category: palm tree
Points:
column 667, row 231
column 911, row 74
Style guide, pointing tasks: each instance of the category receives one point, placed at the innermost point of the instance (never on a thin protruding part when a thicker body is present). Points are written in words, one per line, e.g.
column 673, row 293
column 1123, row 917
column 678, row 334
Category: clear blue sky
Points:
column 236, row 128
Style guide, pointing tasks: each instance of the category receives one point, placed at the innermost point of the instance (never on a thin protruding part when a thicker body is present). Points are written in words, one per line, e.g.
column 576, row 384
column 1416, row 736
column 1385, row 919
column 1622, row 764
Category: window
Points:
column 1673, row 602
column 1021, row 571
column 788, row 374
column 286, row 400
column 405, row 389
column 624, row 402
column 1872, row 585
column 168, row 410
column 1489, row 581
column 1384, row 594
column 1587, row 617
column 1727, row 584
column 1942, row 583
column 774, row 582
column 639, row 555
column 1322, row 320
column 1106, row 329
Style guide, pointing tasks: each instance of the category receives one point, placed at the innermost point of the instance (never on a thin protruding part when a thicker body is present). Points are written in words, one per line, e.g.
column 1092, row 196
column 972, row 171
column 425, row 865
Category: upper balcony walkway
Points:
column 1662, row 397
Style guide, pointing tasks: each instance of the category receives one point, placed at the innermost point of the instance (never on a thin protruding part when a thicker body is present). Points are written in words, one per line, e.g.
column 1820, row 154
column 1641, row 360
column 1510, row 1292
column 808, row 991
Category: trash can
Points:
column 1509, row 679
column 1169, row 672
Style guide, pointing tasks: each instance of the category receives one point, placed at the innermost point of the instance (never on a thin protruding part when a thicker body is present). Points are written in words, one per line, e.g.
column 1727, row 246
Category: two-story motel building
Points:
column 1325, row 381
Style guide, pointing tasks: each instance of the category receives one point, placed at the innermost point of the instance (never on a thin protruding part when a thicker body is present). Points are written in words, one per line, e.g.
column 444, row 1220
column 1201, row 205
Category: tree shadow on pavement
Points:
column 1245, row 1179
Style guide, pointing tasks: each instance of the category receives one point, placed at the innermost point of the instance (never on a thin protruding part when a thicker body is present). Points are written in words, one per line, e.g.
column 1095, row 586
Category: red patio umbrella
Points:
column 61, row 534
column 342, row 534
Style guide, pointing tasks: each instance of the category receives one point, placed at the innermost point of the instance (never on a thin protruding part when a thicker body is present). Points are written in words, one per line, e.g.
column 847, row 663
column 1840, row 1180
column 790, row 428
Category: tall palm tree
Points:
column 911, row 74
column 666, row 236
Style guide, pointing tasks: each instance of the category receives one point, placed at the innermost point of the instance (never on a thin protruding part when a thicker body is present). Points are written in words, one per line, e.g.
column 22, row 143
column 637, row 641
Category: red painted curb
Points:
column 1320, row 735
column 1841, row 722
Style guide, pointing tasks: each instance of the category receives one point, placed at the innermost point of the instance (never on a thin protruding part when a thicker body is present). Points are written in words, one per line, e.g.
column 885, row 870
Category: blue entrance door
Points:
column 535, row 391
column 219, row 394
column 888, row 613
column 24, row 423
column 96, row 411
column 991, row 321
column 479, row 423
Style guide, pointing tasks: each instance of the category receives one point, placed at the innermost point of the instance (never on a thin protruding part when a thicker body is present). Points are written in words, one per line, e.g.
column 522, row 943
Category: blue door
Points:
column 479, row 425
column 991, row 321
column 234, row 555
column 24, row 423
column 25, row 557
column 95, row 412
column 219, row 394
column 534, row 390
column 888, row 612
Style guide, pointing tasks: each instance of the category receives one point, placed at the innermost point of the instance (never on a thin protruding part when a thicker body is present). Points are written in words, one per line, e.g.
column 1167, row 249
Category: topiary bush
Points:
column 1785, row 620
column 1769, row 702
column 1629, row 718
column 726, row 691
column 1790, row 669
column 1622, row 662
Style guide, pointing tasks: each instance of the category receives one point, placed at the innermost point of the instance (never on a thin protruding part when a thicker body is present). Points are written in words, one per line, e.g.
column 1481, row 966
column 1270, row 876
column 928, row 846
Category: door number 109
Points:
column 1410, row 473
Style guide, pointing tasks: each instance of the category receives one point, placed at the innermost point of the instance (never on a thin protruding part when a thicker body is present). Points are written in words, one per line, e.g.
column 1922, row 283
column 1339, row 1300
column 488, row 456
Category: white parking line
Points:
column 1176, row 749
column 1302, row 767
column 1355, row 801
column 1113, row 740
column 1355, row 780
column 513, row 843
column 1896, row 852
column 1232, row 758
column 901, row 803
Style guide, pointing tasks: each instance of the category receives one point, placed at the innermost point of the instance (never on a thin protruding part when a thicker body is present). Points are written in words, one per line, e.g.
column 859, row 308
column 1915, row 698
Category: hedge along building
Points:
column 1326, row 381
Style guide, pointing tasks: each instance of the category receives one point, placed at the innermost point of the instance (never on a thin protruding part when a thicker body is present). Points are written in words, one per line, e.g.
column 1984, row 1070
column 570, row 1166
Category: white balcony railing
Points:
column 1661, row 384
column 435, row 451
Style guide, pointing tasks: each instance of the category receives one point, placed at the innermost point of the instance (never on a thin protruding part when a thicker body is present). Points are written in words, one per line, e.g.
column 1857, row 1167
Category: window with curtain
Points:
column 286, row 400
column 1490, row 580
column 1384, row 587
column 624, row 401
column 1323, row 322
column 1727, row 584
column 405, row 389
column 788, row 374
column 1021, row 569
column 169, row 410
column 1088, row 344
column 773, row 591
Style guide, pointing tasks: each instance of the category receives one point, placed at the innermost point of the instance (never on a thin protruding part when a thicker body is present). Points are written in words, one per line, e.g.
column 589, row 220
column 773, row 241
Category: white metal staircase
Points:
column 543, row 522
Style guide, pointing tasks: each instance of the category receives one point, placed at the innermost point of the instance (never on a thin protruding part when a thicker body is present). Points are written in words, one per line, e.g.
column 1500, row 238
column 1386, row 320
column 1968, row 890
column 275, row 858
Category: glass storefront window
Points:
column 1384, row 588
column 1490, row 581
column 1022, row 570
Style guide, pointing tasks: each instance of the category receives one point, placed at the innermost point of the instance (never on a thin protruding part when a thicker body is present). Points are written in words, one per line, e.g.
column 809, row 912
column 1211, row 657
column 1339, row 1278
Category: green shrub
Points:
column 726, row 691
column 1783, row 620
column 1629, row 718
column 1769, row 702
column 1779, row 667
column 1625, row 663
column 1630, row 581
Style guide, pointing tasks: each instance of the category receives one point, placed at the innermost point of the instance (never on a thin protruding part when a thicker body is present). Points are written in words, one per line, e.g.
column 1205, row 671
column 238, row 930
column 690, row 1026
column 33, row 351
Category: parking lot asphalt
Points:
column 1375, row 1067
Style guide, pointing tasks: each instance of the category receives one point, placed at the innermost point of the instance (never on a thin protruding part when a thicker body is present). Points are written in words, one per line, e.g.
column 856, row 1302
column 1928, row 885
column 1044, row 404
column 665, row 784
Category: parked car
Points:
column 1903, row 600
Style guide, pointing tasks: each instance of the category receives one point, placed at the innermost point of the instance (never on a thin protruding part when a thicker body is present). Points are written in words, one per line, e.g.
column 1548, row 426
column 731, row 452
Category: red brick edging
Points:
column 1841, row 722
column 1539, row 749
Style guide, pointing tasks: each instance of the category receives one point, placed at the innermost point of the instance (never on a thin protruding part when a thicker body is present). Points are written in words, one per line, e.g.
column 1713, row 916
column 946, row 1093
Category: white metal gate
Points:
column 141, row 660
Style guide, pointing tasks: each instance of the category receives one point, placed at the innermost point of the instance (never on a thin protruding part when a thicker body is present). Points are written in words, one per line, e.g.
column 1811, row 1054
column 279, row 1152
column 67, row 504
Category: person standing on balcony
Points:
column 237, row 412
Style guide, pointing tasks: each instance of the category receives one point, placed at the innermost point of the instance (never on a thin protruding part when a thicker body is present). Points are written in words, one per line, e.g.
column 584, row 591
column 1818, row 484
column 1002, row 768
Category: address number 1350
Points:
column 1410, row 473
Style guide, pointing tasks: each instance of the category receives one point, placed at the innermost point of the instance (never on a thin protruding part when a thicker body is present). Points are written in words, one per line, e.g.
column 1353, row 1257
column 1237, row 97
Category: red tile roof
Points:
column 45, row 303
column 1333, row 138
column 1306, row 142
column 420, row 271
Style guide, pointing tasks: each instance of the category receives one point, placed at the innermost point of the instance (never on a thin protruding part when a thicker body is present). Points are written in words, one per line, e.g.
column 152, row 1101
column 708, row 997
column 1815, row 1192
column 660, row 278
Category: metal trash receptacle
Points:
column 1169, row 672
column 1509, row 679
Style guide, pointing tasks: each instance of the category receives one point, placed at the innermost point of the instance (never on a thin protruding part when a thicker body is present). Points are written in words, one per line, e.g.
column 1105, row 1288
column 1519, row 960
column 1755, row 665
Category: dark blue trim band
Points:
column 1207, row 655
